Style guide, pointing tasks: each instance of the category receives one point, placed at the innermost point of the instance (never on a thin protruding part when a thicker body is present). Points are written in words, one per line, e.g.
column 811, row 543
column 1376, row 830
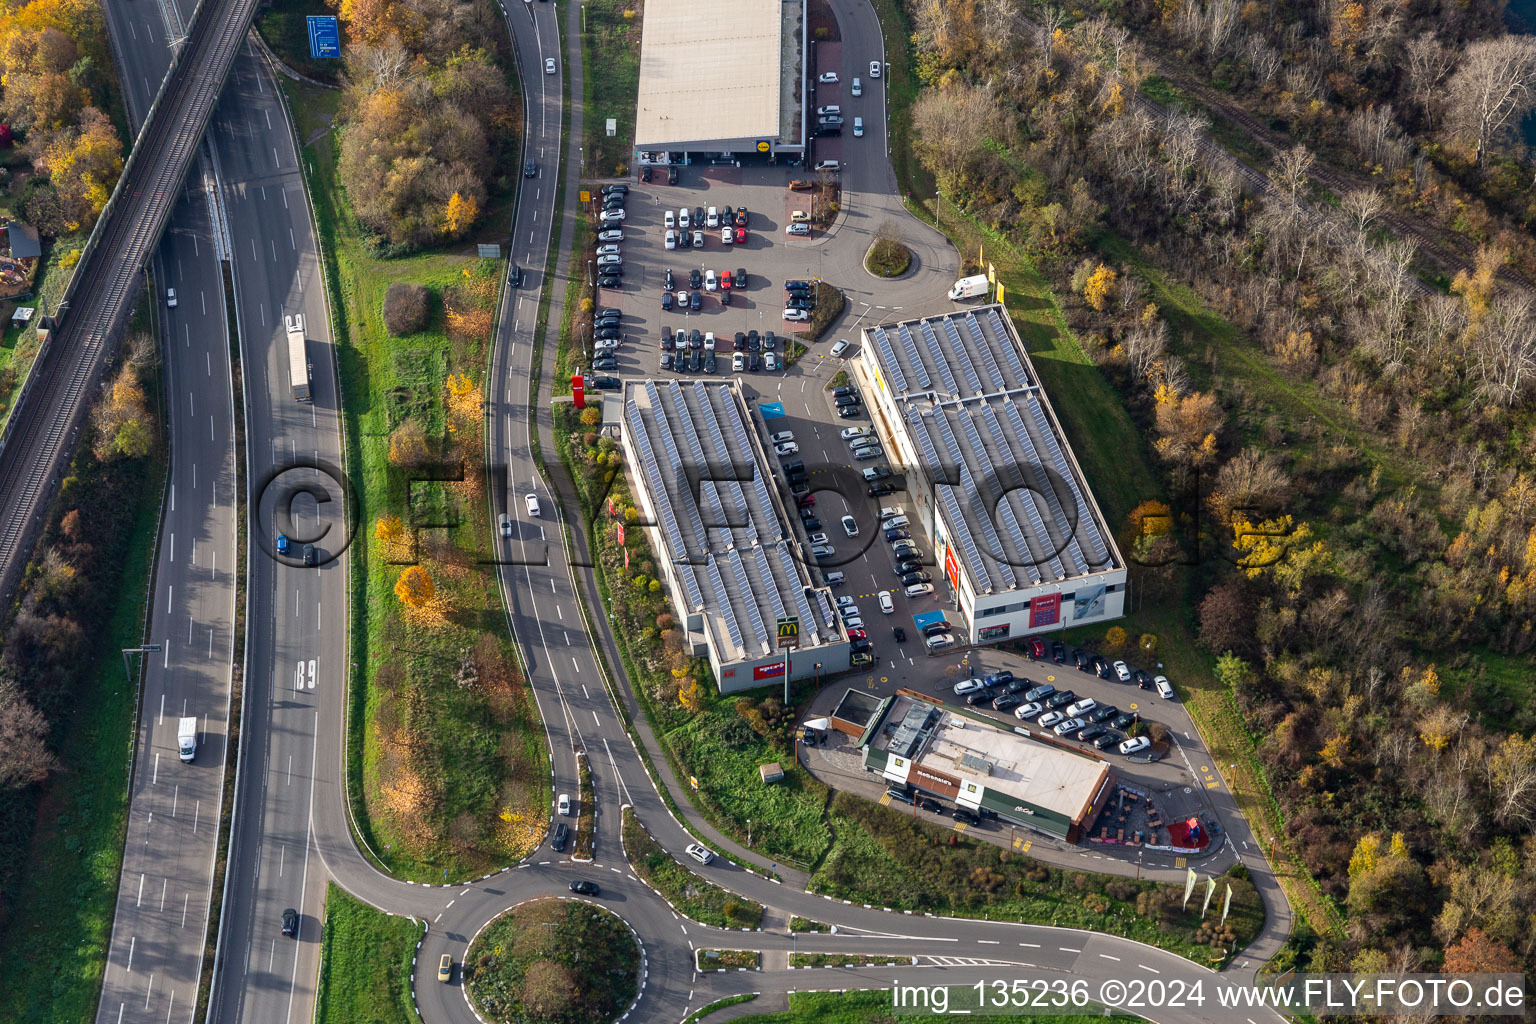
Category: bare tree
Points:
column 1503, row 349
column 1263, row 60
column 1363, row 206
column 1426, row 62
column 1493, row 86
column 24, row 756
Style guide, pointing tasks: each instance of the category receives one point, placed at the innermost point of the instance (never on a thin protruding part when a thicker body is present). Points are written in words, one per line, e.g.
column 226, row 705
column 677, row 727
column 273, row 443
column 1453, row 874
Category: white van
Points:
column 886, row 604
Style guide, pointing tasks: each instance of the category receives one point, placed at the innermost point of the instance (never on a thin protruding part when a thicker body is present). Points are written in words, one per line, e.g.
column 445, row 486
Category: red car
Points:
column 807, row 500
column 741, row 236
column 1036, row 647
column 857, row 634
column 725, row 279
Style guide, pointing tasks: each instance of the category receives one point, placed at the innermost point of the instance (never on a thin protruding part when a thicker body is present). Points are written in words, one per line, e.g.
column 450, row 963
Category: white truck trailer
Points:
column 186, row 738
column 970, row 287
column 298, row 357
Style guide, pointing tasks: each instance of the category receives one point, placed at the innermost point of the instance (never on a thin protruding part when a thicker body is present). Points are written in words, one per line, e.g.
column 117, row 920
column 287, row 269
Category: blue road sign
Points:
column 324, row 36
column 771, row 410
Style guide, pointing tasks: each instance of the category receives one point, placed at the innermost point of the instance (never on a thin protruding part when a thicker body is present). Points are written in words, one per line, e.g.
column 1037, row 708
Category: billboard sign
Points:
column 951, row 567
column 789, row 631
column 324, row 36
column 773, row 671
column 1044, row 610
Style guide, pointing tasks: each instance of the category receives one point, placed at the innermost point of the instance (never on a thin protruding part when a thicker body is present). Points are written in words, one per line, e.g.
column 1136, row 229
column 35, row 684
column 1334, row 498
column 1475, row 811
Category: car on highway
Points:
column 582, row 887
column 290, row 922
column 282, row 543
column 699, row 853
column 170, row 297
column 504, row 524
column 1135, row 745
column 874, row 69
column 309, row 554
column 445, row 968
column 558, row 838
column 549, row 65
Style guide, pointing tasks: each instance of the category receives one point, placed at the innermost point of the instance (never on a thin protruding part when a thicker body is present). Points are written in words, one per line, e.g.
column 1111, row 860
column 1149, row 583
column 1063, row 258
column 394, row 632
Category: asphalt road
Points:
column 155, row 955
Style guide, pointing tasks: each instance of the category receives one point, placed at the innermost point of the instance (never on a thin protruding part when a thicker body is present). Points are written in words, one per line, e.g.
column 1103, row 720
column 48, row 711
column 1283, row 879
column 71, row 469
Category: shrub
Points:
column 405, row 308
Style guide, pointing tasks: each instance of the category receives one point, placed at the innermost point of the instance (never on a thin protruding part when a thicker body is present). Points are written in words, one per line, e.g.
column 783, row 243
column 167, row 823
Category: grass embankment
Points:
column 64, row 892
column 611, row 62
column 901, row 89
column 283, row 26
column 719, row 1004
column 830, row 303
column 447, row 765
column 886, row 858
column 727, row 960
column 586, row 825
column 1116, row 460
column 876, row 1005
column 365, row 964
column 555, row 960
column 848, row 960
column 689, row 894
column 800, row 924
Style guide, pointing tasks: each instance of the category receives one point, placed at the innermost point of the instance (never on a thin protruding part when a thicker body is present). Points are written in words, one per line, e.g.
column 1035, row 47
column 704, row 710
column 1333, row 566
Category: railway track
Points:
column 46, row 422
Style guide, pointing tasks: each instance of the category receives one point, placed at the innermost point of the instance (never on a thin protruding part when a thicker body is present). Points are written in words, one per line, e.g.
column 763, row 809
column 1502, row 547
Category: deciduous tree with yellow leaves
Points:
column 415, row 588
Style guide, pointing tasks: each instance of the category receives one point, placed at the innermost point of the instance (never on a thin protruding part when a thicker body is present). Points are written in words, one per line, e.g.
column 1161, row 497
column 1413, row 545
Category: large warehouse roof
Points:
column 733, row 556
column 1010, row 492
column 709, row 72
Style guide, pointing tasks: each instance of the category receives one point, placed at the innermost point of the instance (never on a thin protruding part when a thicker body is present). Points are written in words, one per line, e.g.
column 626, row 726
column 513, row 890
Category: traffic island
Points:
column 728, row 960
column 887, row 256
column 553, row 959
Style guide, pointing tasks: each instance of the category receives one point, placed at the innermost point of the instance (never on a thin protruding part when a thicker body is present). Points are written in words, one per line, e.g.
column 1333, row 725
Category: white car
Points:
column 781, row 437
column 738, row 362
column 1131, row 746
column 611, row 259
column 612, row 217
column 671, row 239
column 852, row 622
column 857, row 88
column 966, row 686
column 1122, row 672
column 709, row 341
column 874, row 69
column 830, row 110
column 919, row 589
column 669, row 220
column 770, row 361
column 1050, row 718
column 849, row 433
column 712, row 217
column 939, row 641
column 1069, row 726
column 818, row 538
column 1081, row 707
column 839, row 348
column 827, row 165
column 549, row 65
column 727, row 235
column 887, row 605
column 797, row 229
column 858, row 127
column 533, row 505
column 565, row 804
column 170, row 297
column 896, row 523
column 797, row 316
column 850, row 527
column 699, row 854
column 827, row 78
column 1024, row 712
column 1164, row 687
column 611, row 235
column 711, row 282
column 504, row 522
column 682, row 218
column 892, row 511
column 787, row 448
column 608, row 250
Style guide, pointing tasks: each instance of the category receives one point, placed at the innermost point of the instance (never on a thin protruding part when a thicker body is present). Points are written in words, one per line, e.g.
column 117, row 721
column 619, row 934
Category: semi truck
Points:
column 298, row 357
column 970, row 287
column 186, row 738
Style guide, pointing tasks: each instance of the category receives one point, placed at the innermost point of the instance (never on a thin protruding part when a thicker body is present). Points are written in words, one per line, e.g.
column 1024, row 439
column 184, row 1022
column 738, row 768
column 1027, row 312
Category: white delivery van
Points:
column 186, row 738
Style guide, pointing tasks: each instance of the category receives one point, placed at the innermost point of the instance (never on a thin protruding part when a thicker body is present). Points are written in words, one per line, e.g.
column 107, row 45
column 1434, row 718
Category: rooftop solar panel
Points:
column 940, row 363
column 918, row 369
column 984, row 346
column 723, row 603
column 749, row 596
column 973, row 492
column 957, row 349
column 918, row 423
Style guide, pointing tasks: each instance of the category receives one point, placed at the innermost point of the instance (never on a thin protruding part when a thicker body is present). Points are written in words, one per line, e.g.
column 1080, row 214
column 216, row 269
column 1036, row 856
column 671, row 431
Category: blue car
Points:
column 282, row 543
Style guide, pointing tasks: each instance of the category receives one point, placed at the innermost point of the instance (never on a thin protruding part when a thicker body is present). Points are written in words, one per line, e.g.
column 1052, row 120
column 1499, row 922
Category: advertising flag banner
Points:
column 620, row 528
column 1226, row 904
column 1189, row 887
column 1210, row 890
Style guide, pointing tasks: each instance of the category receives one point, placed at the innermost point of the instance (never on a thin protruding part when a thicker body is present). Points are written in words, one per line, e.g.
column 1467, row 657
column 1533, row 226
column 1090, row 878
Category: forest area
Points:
column 1359, row 537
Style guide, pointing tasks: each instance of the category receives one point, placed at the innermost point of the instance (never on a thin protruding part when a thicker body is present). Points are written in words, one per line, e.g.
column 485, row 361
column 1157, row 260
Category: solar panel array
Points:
column 726, row 612
column 1052, row 501
column 744, row 585
column 957, row 349
column 983, row 345
column 939, row 362
column 696, row 453
column 893, row 368
column 973, row 492
column 723, row 459
column 1031, row 509
column 917, row 422
column 1085, row 522
column 1010, row 354
column 657, row 485
column 772, row 529
column 917, row 363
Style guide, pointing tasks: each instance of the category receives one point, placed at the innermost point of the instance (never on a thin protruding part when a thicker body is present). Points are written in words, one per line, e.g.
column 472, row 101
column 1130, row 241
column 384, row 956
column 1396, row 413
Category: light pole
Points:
column 749, row 831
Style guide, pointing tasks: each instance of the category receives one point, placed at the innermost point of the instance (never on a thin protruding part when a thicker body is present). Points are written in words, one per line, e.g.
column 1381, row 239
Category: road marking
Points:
column 1068, row 949
column 988, row 942
column 131, row 943
column 1031, row 945
column 1106, row 956
column 139, row 902
column 1154, row 970
column 595, row 720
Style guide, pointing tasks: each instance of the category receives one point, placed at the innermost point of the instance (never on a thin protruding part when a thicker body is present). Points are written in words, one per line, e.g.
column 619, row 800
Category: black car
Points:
column 978, row 698
column 671, row 175
column 929, row 804
column 970, row 818
column 1057, row 701
column 667, row 344
column 610, row 281
column 683, row 240
column 1058, row 652
column 935, row 628
column 709, row 362
column 530, row 169
column 806, row 285
column 1124, row 720
column 907, row 566
column 754, row 342
column 904, row 795
column 1141, row 677
column 897, row 533
column 1091, row 732
column 666, row 279
column 915, row 577
column 1145, row 684
column 811, row 524
column 585, row 888
column 695, row 339
column 796, row 302
column 666, row 302
column 607, row 311
column 755, row 362
column 695, row 301
column 698, row 217
column 613, row 203
column 843, row 389
column 739, row 343
column 739, row 279
column 561, row 834
column 645, row 173
column 605, row 363
column 619, row 189
column 848, row 412
column 608, row 334
column 879, row 490
column 725, row 298
column 1019, row 685
column 309, row 554
column 515, row 276
column 1006, row 702
column 694, row 361
column 1082, row 659
column 845, row 400
column 899, row 633
column 607, row 320
column 695, row 278
column 860, row 646
column 1101, row 666
column 1102, row 713
column 769, row 340
column 290, row 922
column 607, row 383
column 1107, row 740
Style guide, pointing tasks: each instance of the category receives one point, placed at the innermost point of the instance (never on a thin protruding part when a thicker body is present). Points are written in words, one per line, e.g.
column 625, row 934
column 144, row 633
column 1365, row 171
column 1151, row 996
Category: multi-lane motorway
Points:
column 291, row 831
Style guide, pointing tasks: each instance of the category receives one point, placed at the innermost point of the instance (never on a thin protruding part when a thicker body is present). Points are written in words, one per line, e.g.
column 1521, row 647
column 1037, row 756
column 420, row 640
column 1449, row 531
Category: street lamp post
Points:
column 749, row 831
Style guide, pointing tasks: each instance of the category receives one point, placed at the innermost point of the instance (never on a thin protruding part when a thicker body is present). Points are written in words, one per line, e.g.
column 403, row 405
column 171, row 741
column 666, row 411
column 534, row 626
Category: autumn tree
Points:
column 459, row 214
column 1188, row 426
column 1099, row 286
column 122, row 419
column 405, row 307
column 1493, row 87
column 83, row 165
column 414, row 588
column 24, row 755
column 1252, row 481
column 1476, row 953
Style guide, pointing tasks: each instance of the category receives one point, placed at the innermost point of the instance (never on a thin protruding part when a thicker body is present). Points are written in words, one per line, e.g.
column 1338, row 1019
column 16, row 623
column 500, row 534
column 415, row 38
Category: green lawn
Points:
column 66, row 892
column 611, row 60
column 445, row 774
column 875, row 1006
column 365, row 964
column 688, row 893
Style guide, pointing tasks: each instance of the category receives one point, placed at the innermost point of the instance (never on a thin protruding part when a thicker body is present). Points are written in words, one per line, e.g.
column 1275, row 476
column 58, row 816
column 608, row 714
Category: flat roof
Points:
column 1002, row 761
column 709, row 73
column 975, row 412
column 733, row 557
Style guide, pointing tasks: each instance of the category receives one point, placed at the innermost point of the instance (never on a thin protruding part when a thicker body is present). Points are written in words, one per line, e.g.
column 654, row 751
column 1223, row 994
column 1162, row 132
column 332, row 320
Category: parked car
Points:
column 939, row 641
column 1090, row 733
column 1060, row 699
column 1005, row 702
column 1135, row 745
column 1109, row 739
column 1028, row 710
column 1058, row 652
column 1122, row 671
column 977, row 699
column 1040, row 692
column 849, row 412
column 1124, row 720
column 827, row 78
column 969, row 817
column 797, row 316
column 1068, row 726
column 1102, row 713
column 1050, row 718
column 1164, row 687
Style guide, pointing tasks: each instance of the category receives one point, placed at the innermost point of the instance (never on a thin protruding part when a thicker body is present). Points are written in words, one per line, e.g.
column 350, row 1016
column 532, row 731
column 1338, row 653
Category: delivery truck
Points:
column 298, row 357
column 186, row 738
column 970, row 287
